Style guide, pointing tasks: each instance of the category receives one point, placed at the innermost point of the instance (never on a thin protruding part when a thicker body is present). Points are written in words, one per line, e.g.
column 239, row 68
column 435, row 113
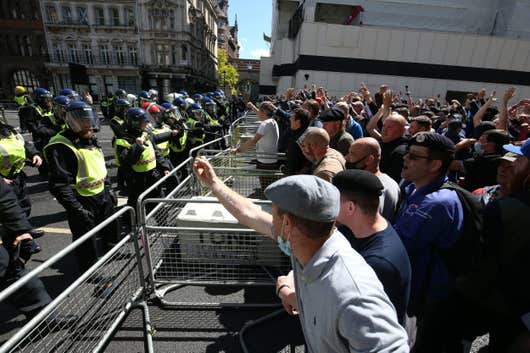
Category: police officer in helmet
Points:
column 138, row 154
column 78, row 180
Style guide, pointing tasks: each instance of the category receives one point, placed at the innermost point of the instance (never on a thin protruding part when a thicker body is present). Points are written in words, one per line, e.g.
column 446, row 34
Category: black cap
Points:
column 483, row 127
column 434, row 142
column 333, row 114
column 358, row 181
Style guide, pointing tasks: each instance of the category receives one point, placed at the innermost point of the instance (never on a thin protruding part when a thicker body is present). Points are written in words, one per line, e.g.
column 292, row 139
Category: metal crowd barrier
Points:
column 185, row 248
column 98, row 307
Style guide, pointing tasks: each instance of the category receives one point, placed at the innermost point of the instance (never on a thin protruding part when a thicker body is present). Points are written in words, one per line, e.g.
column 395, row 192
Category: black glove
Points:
column 86, row 215
column 28, row 247
column 113, row 197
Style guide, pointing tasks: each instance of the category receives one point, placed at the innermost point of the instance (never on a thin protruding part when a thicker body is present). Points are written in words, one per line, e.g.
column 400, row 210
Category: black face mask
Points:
column 353, row 165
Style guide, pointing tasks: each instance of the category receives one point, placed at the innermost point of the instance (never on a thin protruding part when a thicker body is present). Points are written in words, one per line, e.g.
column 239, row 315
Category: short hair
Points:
column 267, row 107
column 310, row 228
column 423, row 121
column 314, row 106
column 369, row 204
column 317, row 136
column 499, row 137
column 302, row 115
column 403, row 111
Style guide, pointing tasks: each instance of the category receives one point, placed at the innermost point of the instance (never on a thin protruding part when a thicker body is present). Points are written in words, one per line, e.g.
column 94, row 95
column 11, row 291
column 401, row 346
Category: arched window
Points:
column 26, row 79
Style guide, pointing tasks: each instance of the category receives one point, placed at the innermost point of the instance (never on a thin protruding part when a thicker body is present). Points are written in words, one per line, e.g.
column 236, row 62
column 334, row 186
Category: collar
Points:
column 320, row 261
column 434, row 185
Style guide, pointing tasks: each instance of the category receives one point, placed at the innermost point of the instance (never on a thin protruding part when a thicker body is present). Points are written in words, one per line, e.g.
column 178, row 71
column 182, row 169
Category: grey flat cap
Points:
column 306, row 196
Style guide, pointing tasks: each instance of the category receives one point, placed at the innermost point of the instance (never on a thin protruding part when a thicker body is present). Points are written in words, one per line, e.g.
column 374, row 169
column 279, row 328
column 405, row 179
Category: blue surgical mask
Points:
column 284, row 245
column 478, row 148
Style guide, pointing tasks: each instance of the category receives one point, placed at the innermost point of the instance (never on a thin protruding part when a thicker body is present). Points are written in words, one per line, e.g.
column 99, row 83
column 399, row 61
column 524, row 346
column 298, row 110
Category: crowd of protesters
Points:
column 444, row 220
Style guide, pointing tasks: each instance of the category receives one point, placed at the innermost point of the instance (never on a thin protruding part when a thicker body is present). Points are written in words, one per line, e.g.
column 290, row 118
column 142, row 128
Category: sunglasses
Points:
column 413, row 157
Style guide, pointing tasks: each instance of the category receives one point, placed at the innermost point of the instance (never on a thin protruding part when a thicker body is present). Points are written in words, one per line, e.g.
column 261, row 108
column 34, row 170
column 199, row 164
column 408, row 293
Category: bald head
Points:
column 365, row 153
column 393, row 127
column 317, row 136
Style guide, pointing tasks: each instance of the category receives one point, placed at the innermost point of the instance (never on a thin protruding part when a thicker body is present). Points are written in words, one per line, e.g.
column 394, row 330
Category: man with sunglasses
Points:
column 429, row 221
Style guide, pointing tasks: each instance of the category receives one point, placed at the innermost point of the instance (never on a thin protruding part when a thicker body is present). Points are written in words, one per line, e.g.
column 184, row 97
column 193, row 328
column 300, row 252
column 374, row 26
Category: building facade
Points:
column 22, row 47
column 226, row 34
column 130, row 44
column 441, row 47
column 178, row 44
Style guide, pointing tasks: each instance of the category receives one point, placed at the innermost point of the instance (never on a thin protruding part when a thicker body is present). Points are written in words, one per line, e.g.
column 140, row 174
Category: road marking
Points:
column 56, row 230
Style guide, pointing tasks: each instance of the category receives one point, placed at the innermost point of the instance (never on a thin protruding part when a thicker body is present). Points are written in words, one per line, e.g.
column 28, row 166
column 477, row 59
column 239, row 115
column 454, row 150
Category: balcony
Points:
column 66, row 24
column 84, row 24
column 96, row 61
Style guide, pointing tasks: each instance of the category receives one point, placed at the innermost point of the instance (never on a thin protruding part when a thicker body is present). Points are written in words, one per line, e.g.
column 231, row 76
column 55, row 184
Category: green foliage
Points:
column 228, row 75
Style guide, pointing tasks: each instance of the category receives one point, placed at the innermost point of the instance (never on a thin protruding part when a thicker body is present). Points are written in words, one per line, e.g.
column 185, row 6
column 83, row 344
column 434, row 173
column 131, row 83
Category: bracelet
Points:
column 285, row 285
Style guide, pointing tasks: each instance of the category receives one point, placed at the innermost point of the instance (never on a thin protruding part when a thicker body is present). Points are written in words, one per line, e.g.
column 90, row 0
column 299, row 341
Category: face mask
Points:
column 285, row 246
column 353, row 165
column 478, row 148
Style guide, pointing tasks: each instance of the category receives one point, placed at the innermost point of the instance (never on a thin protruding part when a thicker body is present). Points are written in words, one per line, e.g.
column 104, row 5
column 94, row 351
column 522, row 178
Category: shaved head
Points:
column 368, row 145
column 317, row 136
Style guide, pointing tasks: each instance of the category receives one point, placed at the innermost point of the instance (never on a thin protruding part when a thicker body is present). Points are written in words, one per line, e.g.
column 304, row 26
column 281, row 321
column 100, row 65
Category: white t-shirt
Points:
column 389, row 199
column 268, row 143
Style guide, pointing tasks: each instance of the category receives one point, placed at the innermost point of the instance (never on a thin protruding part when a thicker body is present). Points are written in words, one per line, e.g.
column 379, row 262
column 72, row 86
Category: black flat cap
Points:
column 358, row 181
column 333, row 114
column 435, row 142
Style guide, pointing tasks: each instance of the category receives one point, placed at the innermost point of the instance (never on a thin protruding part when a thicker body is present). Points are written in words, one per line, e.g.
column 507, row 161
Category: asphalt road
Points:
column 178, row 330
column 211, row 330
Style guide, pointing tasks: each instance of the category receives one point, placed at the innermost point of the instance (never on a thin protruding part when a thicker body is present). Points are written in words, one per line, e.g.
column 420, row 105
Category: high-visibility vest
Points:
column 48, row 114
column 193, row 139
column 182, row 141
column 21, row 101
column 13, row 155
column 147, row 160
column 91, row 169
column 162, row 146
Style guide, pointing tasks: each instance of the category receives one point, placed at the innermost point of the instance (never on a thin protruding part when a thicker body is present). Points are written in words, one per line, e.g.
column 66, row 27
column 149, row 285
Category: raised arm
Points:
column 502, row 123
column 477, row 119
column 244, row 210
column 383, row 112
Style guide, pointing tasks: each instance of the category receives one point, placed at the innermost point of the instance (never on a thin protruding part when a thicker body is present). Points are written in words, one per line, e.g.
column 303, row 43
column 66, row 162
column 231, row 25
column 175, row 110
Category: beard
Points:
column 520, row 181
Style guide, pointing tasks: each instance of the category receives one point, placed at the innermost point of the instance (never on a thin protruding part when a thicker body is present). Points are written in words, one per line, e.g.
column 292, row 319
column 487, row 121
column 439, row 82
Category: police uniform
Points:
column 142, row 163
column 32, row 296
column 24, row 103
column 78, row 180
column 13, row 153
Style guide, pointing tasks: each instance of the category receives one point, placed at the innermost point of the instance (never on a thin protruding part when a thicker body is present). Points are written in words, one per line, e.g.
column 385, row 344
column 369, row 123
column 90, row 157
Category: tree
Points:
column 227, row 73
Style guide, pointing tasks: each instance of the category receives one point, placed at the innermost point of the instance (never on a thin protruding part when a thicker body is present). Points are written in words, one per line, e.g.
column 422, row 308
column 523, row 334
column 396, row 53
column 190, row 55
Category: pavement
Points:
column 187, row 330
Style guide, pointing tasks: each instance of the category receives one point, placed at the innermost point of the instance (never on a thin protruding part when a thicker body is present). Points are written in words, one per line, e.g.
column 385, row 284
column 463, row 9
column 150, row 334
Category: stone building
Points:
column 226, row 35
column 22, row 47
column 130, row 44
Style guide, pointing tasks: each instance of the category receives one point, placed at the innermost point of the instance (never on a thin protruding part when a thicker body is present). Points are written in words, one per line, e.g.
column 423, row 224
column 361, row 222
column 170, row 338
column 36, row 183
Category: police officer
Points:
column 138, row 154
column 42, row 123
column 117, row 124
column 13, row 153
column 180, row 103
column 24, row 102
column 178, row 146
column 16, row 248
column 78, row 180
column 195, row 122
column 119, row 94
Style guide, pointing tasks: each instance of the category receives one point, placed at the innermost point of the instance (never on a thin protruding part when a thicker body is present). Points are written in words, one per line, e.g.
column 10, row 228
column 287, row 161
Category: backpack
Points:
column 466, row 252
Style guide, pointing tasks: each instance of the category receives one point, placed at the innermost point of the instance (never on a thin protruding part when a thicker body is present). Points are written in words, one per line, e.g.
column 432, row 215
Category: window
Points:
column 162, row 54
column 120, row 58
column 133, row 59
column 184, row 52
column 67, row 14
column 27, row 42
column 59, row 53
column 104, row 53
column 100, row 16
column 115, row 16
column 130, row 17
column 171, row 19
column 72, row 51
column 51, row 12
column 21, row 46
column 174, row 55
column 26, row 79
column 87, row 50
column 82, row 15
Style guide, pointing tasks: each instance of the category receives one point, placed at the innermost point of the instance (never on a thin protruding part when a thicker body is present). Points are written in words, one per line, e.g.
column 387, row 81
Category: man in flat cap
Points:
column 429, row 221
column 372, row 236
column 341, row 304
column 333, row 122
column 326, row 161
